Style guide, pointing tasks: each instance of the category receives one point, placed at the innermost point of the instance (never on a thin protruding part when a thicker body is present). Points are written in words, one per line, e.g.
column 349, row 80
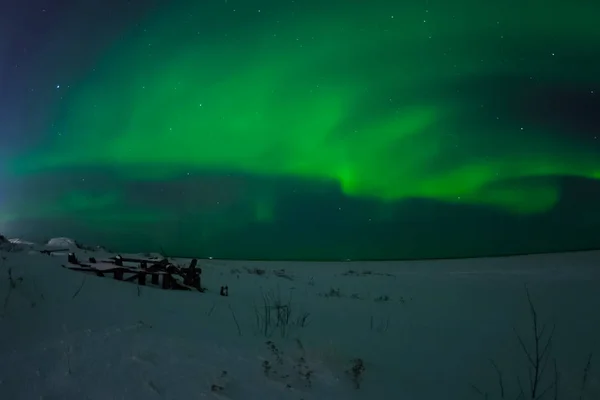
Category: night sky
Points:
column 306, row 129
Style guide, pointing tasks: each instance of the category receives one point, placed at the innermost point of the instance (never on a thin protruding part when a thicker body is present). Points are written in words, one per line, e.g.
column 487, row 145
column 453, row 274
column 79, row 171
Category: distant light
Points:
column 58, row 86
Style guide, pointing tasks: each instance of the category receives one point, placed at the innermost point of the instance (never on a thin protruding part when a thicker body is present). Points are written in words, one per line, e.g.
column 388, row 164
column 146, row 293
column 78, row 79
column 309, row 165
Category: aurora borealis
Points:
column 304, row 129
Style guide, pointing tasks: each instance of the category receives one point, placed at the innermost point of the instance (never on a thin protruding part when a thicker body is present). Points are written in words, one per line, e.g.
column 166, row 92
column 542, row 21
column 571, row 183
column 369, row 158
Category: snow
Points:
column 62, row 242
column 20, row 241
column 424, row 329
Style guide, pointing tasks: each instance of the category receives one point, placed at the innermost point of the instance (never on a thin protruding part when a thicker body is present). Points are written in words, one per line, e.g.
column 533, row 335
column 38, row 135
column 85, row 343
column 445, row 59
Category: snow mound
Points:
column 62, row 242
column 10, row 245
column 20, row 241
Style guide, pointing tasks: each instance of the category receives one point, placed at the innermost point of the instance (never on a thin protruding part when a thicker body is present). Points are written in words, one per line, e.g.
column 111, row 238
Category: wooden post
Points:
column 72, row 259
column 119, row 274
column 166, row 283
column 191, row 273
column 142, row 278
column 119, row 261
column 198, row 280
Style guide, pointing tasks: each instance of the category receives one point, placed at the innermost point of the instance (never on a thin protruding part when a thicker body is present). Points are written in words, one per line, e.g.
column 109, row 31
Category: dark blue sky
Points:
column 343, row 130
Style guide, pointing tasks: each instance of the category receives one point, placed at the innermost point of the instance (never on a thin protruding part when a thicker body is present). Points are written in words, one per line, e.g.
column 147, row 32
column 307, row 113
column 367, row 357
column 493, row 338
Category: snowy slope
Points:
column 424, row 330
column 21, row 241
column 62, row 242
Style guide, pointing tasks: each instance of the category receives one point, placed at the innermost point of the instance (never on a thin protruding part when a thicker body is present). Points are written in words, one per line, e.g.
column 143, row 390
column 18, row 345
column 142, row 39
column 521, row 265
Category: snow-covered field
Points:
column 355, row 330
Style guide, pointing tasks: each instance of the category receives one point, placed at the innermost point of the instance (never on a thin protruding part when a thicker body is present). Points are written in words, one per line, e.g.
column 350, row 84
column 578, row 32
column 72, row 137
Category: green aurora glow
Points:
column 380, row 100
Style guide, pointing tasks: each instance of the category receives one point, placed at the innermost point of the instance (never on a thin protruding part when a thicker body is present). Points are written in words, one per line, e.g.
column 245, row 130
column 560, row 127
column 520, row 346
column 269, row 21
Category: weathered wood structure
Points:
column 162, row 273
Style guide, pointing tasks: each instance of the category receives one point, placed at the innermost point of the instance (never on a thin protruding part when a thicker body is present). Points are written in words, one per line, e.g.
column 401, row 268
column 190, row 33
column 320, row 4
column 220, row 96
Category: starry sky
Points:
column 302, row 129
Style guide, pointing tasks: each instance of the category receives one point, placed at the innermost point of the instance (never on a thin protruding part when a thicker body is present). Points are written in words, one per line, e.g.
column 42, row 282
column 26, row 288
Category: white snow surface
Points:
column 62, row 242
column 20, row 241
column 67, row 335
